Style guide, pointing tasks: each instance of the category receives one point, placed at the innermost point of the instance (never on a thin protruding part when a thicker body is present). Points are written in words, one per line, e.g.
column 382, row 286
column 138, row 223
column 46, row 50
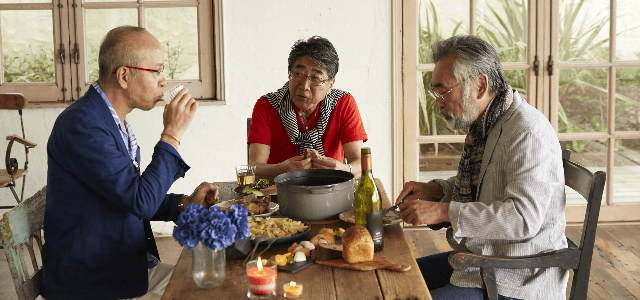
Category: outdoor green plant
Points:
column 172, row 54
column 35, row 66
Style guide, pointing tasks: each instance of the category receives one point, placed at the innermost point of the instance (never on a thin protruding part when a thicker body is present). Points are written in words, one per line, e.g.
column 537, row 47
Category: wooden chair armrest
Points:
column 568, row 258
column 20, row 140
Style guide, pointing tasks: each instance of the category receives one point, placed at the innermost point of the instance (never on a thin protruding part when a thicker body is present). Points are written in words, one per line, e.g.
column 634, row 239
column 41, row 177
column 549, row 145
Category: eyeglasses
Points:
column 298, row 77
column 437, row 95
column 143, row 69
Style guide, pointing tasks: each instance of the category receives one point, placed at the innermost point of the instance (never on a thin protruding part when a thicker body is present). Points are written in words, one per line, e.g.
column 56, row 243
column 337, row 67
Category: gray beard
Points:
column 469, row 114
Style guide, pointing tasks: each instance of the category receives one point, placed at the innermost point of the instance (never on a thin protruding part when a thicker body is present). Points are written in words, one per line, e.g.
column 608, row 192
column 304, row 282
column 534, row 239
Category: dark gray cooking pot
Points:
column 314, row 194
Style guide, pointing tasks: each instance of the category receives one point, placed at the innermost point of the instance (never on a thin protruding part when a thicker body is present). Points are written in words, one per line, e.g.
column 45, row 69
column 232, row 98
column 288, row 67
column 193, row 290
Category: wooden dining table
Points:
column 319, row 281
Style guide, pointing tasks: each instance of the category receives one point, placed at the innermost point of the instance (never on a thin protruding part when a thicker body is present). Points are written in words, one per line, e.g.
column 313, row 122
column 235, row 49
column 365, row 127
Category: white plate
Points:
column 273, row 207
column 391, row 218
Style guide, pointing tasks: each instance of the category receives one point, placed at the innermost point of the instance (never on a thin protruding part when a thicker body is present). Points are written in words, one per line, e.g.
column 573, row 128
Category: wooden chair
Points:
column 9, row 175
column 19, row 227
column 577, row 258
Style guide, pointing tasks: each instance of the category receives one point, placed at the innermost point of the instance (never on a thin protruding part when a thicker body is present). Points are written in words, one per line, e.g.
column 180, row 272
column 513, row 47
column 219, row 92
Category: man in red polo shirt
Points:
column 306, row 113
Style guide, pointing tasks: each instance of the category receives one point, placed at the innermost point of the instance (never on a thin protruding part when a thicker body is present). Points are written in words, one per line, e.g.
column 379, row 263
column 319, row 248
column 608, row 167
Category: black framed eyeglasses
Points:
column 158, row 72
column 315, row 80
column 437, row 95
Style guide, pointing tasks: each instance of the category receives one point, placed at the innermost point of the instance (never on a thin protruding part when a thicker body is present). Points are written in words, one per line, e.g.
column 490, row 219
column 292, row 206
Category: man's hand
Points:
column 419, row 190
column 179, row 113
column 322, row 162
column 297, row 163
column 205, row 194
column 421, row 212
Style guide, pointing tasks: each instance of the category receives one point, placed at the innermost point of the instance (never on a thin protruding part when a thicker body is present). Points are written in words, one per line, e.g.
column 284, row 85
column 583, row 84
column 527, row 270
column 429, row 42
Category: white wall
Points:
column 258, row 36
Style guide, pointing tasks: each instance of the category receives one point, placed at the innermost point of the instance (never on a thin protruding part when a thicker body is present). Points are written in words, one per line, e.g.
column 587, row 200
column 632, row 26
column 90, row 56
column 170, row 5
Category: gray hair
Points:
column 320, row 50
column 115, row 51
column 473, row 56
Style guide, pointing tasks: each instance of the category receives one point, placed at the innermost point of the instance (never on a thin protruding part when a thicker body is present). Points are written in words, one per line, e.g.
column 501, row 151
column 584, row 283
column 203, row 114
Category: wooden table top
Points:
column 320, row 282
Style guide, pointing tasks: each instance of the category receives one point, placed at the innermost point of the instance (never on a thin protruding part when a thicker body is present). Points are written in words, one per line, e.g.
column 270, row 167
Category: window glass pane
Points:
column 627, row 99
column 439, row 161
column 518, row 80
column 99, row 22
column 27, row 51
column 584, row 30
column 440, row 19
column 431, row 120
column 627, row 30
column 503, row 23
column 591, row 155
column 583, row 99
column 626, row 171
column 177, row 29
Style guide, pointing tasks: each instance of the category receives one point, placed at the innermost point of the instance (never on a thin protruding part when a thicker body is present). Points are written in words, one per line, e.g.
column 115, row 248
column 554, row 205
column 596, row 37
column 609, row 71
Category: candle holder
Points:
column 292, row 290
column 262, row 275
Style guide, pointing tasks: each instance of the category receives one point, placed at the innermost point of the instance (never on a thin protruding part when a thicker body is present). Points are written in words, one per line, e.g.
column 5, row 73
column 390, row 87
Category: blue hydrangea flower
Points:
column 216, row 229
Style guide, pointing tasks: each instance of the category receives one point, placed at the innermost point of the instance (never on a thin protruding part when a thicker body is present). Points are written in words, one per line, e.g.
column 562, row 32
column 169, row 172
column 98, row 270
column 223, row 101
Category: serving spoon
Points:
column 271, row 240
column 258, row 239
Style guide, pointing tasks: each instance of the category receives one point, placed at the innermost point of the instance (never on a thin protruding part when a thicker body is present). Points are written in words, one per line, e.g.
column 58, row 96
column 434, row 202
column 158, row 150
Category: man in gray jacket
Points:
column 508, row 196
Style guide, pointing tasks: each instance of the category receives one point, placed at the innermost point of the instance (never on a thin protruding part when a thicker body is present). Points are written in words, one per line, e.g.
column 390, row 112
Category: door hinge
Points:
column 536, row 66
column 550, row 65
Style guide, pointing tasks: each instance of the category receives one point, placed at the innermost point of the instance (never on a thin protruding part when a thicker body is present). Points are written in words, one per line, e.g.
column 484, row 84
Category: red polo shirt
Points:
column 344, row 126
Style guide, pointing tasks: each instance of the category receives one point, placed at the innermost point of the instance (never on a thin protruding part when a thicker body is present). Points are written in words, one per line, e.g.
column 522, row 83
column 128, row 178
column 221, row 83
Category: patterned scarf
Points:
column 311, row 139
column 466, row 182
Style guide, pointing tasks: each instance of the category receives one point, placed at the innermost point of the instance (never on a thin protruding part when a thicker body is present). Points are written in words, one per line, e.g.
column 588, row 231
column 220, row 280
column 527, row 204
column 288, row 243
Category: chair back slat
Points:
column 13, row 101
column 19, row 227
column 591, row 187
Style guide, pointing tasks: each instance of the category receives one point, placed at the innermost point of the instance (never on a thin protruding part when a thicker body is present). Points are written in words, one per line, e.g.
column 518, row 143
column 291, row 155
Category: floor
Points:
column 615, row 270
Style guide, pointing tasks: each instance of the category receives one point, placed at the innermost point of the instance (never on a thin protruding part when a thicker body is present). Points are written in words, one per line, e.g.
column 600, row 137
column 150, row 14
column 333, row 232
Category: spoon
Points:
column 271, row 240
column 258, row 239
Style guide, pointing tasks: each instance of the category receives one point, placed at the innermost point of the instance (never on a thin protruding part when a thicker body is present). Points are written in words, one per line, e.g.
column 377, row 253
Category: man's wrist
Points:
column 182, row 203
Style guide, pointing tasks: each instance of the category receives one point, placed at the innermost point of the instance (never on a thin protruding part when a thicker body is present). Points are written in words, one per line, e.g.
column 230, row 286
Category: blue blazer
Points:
column 96, row 222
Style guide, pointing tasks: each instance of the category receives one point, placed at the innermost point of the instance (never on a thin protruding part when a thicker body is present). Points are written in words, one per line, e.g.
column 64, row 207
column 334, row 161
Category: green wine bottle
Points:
column 367, row 197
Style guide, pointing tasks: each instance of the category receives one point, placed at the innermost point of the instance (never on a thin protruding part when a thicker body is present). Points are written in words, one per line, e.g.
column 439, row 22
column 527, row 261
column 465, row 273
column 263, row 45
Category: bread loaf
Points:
column 357, row 245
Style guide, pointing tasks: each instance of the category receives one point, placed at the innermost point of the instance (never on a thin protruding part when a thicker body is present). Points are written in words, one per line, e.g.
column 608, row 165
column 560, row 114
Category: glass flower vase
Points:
column 209, row 266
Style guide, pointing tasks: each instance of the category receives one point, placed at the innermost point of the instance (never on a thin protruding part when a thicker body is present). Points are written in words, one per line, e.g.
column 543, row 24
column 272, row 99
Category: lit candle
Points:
column 292, row 290
column 262, row 279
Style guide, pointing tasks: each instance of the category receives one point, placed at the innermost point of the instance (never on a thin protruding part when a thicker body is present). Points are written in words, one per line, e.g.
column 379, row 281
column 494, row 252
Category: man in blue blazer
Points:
column 99, row 243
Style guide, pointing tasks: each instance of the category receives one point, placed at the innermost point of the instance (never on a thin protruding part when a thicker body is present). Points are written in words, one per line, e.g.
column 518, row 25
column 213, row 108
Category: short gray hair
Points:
column 473, row 56
column 115, row 51
column 320, row 50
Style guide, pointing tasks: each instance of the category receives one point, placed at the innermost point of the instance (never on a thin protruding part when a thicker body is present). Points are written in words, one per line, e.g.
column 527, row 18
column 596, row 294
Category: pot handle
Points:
column 324, row 190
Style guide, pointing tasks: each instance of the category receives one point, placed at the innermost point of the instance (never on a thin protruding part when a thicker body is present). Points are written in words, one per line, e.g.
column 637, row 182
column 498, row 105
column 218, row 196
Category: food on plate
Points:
column 339, row 232
column 247, row 190
column 357, row 245
column 275, row 227
column 255, row 205
column 260, row 184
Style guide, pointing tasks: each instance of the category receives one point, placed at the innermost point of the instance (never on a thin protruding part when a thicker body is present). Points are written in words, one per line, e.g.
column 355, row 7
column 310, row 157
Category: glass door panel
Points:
column 503, row 23
column 626, row 170
column 584, row 30
column 438, row 19
column 583, row 100
column 627, row 30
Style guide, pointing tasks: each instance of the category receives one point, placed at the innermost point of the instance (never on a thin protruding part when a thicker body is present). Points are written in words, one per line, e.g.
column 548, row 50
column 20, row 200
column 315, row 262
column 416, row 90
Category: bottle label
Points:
column 366, row 162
